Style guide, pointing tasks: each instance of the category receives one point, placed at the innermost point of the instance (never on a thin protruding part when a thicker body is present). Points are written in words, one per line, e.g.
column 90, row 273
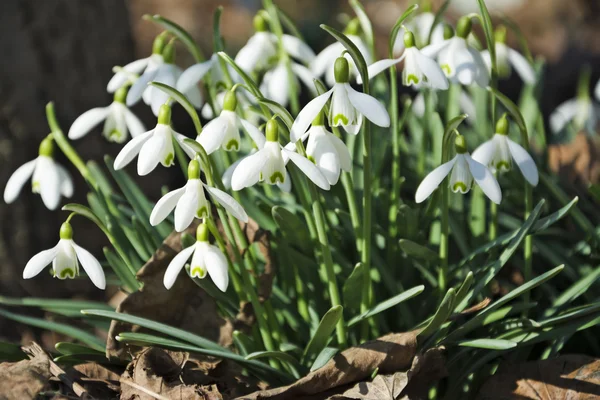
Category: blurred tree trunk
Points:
column 61, row 51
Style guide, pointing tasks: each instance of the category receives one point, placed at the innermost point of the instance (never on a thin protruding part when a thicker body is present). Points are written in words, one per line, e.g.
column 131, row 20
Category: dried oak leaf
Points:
column 185, row 305
column 578, row 161
column 572, row 376
column 24, row 379
column 389, row 353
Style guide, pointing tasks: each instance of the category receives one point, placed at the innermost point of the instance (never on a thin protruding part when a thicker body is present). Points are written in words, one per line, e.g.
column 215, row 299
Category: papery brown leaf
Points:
column 578, row 161
column 24, row 379
column 383, row 387
column 389, row 353
column 572, row 376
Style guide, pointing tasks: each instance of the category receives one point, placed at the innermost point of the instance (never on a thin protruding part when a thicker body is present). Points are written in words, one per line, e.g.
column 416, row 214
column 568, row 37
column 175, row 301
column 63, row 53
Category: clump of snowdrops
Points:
column 388, row 212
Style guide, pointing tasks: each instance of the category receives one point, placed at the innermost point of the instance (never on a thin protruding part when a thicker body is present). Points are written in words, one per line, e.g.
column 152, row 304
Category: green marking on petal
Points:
column 35, row 187
column 502, row 166
column 261, row 177
column 459, row 187
column 232, row 145
column 202, row 212
column 276, row 177
column 412, row 78
column 197, row 272
column 67, row 273
column 115, row 135
column 169, row 159
column 340, row 117
column 312, row 159
column 447, row 70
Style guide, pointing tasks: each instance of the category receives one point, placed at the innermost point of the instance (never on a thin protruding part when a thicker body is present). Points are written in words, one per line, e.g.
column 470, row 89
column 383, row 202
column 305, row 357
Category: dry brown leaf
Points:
column 572, row 376
column 24, row 379
column 383, row 387
column 389, row 353
column 578, row 161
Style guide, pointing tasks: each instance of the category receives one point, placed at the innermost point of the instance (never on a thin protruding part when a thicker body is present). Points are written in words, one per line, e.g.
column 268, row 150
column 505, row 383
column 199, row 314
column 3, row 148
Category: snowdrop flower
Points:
column 463, row 170
column 129, row 73
column 190, row 202
column 118, row 121
column 206, row 258
column 460, row 62
column 194, row 74
column 276, row 82
column 507, row 58
column 48, row 178
column 261, row 49
column 64, row 258
column 167, row 73
column 286, row 186
column 347, row 106
column 326, row 150
column 499, row 151
column 421, row 26
column 419, row 70
column 224, row 131
column 268, row 164
column 581, row 110
column 325, row 60
column 154, row 146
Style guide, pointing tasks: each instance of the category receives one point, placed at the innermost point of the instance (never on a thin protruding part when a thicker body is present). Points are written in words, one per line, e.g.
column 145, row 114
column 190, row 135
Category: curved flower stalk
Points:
column 462, row 170
column 154, row 146
column 419, row 69
column 421, row 26
column 507, row 59
column 276, row 82
column 64, row 258
column 269, row 164
column 261, row 49
column 166, row 73
column 224, row 131
column 118, row 121
column 206, row 259
column 327, row 151
column 324, row 63
column 48, row 178
column 130, row 73
column 459, row 60
column 347, row 106
column 499, row 151
column 190, row 202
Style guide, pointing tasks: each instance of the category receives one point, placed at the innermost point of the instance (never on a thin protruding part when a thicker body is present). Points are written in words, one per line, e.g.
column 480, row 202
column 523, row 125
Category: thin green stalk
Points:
column 366, row 234
column 453, row 107
column 493, row 233
column 443, row 271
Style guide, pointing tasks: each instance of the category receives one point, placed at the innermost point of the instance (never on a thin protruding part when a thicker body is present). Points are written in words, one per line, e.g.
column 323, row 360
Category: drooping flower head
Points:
column 499, row 152
column 206, row 259
column 462, row 170
column 48, row 178
column 154, row 146
column 190, row 202
column 507, row 59
column 65, row 258
column 118, row 121
column 422, row 25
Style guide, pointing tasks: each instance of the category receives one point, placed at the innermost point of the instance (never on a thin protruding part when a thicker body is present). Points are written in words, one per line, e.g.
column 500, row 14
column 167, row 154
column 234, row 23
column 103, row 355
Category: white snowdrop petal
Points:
column 432, row 71
column 91, row 266
column 524, row 161
column 17, row 180
column 563, row 114
column 467, row 106
column 307, row 115
column 166, row 75
column 176, row 265
column 150, row 154
column 380, row 66
column 433, row 180
column 38, row 262
column 309, row 169
column 368, row 106
column 49, row 184
column 418, row 105
column 226, row 178
column 131, row 149
column 228, row 202
column 482, row 76
column 66, row 182
column 286, row 186
column 342, row 152
column 139, row 87
column 121, row 78
column 187, row 206
column 194, row 74
column 485, row 179
column 247, row 173
column 87, row 121
column 277, row 85
column 325, row 59
column 135, row 126
column 194, row 95
column 165, row 205
column 522, row 66
column 306, row 76
column 433, row 49
column 213, row 134
column 179, row 138
column 297, row 49
column 597, row 91
column 216, row 265
column 257, row 136
column 484, row 154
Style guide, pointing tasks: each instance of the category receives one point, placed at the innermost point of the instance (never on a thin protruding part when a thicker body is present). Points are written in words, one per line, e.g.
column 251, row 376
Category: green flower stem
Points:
column 493, row 233
column 453, row 109
column 366, row 224
column 443, row 271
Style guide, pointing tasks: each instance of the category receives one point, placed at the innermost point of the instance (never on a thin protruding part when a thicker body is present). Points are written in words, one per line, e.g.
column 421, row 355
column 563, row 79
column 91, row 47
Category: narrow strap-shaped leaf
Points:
column 389, row 303
column 464, row 288
column 67, row 348
column 439, row 15
column 181, row 99
column 397, row 26
column 323, row 358
column 323, row 332
column 245, row 77
column 45, row 303
column 365, row 24
column 491, row 344
column 217, row 38
column 441, row 315
column 278, row 109
column 418, row 251
column 181, row 34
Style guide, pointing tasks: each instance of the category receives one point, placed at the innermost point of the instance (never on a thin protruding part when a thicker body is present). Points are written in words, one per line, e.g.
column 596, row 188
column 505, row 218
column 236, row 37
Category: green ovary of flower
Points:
column 232, row 145
column 276, row 177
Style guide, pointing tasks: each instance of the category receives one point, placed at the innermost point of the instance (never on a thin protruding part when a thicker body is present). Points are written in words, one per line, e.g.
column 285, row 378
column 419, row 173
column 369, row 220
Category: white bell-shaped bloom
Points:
column 286, row 186
column 323, row 64
column 118, row 121
column 167, row 73
column 507, row 59
column 190, row 202
column 581, row 111
column 458, row 59
column 224, row 131
column 154, row 146
column 419, row 69
column 499, row 151
column 64, row 258
column 462, row 170
column 261, row 49
column 276, row 82
column 347, row 106
column 269, row 164
column 48, row 178
column 206, row 259
column 421, row 26
column 188, row 80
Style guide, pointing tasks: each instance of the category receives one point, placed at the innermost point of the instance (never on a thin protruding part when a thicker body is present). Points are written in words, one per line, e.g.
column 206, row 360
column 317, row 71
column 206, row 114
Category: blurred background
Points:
column 64, row 51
